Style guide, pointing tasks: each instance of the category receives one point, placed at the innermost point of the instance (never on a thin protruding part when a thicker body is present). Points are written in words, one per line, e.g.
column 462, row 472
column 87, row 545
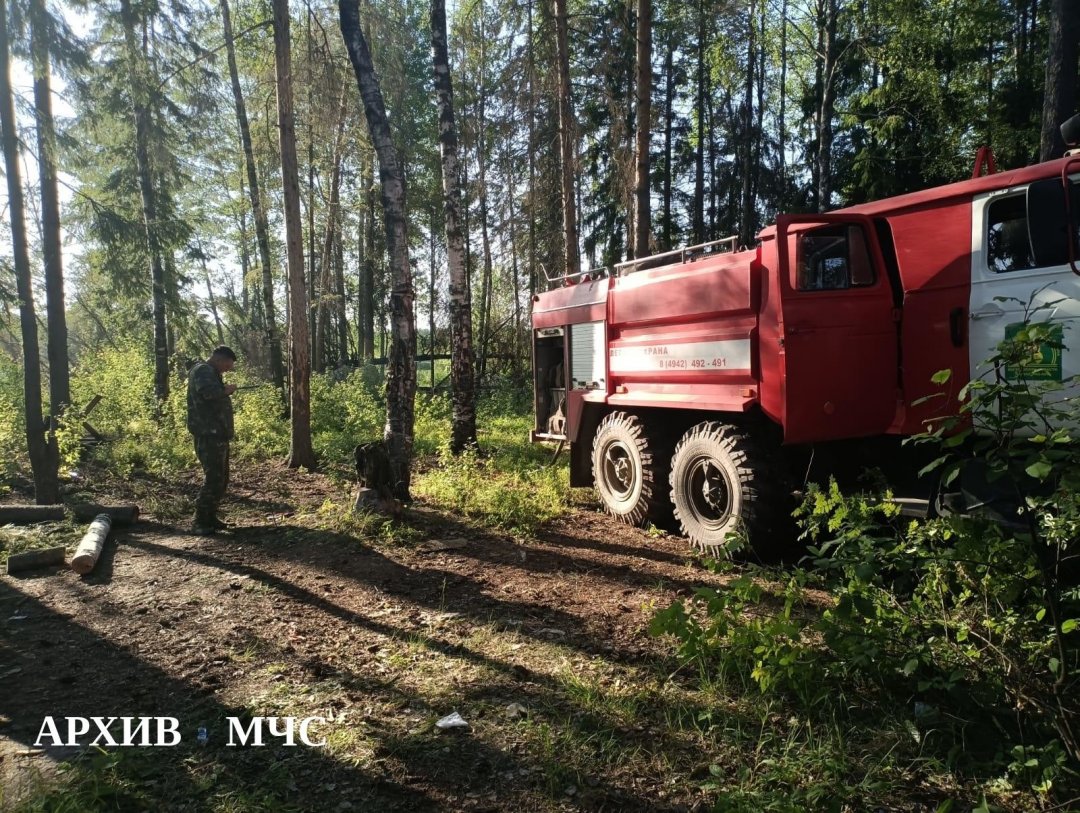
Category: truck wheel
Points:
column 716, row 489
column 627, row 472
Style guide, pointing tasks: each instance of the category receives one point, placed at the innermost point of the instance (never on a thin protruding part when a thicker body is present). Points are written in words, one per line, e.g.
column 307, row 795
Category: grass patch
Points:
column 21, row 538
column 509, row 484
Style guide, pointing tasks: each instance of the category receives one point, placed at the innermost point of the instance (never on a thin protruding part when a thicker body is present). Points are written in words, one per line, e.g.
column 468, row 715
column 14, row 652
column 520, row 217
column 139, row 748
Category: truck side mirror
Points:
column 1049, row 222
column 1070, row 132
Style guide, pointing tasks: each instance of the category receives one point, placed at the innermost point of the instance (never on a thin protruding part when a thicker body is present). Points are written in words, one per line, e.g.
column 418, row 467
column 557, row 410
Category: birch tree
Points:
column 462, row 386
column 401, row 364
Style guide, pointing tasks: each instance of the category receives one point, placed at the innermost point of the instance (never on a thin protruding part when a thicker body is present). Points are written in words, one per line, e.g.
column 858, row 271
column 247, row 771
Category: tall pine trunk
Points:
column 313, row 293
column 258, row 210
column 140, row 100
column 827, row 57
column 781, row 125
column 1060, row 98
column 210, row 295
column 534, row 283
column 699, row 154
column 59, row 372
column 42, row 454
column 327, row 304
column 515, row 274
column 642, row 216
column 669, row 114
column 300, row 450
column 487, row 277
column 567, row 150
column 401, row 366
column 431, row 302
column 339, row 299
column 249, row 308
column 462, row 385
column 746, row 213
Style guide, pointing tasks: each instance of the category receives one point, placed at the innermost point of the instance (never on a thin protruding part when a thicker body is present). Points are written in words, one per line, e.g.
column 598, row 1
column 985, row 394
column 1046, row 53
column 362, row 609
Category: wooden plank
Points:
column 30, row 559
column 92, row 432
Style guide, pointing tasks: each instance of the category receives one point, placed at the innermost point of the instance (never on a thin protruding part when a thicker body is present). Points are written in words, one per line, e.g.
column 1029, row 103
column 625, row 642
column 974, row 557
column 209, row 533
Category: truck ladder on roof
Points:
column 686, row 254
column 727, row 245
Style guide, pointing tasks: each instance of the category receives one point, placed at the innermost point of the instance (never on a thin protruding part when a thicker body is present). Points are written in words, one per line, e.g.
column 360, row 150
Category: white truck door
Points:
column 1006, row 281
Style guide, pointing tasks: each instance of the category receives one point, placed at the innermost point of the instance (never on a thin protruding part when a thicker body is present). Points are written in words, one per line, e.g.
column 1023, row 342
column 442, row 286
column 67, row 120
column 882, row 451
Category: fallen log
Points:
column 86, row 555
column 18, row 562
column 83, row 512
column 119, row 514
column 27, row 514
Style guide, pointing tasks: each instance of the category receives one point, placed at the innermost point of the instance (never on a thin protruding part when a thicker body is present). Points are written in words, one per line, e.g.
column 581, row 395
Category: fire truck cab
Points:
column 683, row 381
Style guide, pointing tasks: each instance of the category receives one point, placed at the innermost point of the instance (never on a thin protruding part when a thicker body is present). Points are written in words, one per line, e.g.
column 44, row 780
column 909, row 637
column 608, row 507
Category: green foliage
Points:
column 432, row 424
column 261, row 429
column 343, row 414
column 509, row 485
column 139, row 434
column 12, row 418
column 771, row 650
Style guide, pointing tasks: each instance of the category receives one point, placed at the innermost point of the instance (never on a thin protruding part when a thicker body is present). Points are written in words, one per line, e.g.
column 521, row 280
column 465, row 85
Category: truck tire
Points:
column 628, row 474
column 718, row 490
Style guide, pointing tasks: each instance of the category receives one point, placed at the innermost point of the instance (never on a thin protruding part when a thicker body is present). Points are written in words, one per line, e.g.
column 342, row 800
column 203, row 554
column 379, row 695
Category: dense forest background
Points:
column 186, row 173
column 757, row 108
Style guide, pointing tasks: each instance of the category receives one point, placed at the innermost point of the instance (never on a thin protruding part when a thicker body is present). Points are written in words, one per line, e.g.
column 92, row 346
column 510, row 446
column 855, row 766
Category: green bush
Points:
column 432, row 424
column 12, row 418
column 509, row 484
column 262, row 431
column 343, row 413
column 139, row 435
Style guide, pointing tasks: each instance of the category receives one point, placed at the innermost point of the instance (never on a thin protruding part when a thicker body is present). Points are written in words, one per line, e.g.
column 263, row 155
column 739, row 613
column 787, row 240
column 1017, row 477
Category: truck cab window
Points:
column 1008, row 247
column 834, row 258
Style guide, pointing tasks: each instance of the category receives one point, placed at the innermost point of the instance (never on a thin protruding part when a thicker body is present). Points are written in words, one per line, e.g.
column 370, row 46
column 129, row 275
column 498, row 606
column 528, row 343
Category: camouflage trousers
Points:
column 213, row 454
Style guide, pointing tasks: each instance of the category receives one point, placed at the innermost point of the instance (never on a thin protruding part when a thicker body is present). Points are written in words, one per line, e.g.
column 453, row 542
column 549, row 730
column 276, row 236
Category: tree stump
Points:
column 375, row 491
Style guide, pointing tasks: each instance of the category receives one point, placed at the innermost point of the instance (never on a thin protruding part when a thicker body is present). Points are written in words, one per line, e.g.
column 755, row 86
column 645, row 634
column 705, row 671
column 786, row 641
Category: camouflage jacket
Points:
column 210, row 410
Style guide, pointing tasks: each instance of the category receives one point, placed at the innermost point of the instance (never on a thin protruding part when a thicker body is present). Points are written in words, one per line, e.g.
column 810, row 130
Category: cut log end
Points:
column 86, row 555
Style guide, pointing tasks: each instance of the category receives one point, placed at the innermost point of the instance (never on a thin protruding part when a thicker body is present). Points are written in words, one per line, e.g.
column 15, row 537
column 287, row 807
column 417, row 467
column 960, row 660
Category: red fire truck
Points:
column 690, row 380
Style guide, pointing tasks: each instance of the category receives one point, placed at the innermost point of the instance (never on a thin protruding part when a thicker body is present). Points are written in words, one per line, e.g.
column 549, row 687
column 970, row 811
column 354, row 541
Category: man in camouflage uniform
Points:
column 210, row 421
